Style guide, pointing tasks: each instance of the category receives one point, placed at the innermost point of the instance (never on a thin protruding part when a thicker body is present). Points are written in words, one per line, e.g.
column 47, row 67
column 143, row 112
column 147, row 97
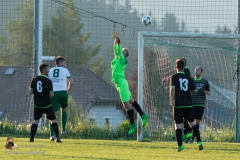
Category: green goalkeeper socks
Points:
column 64, row 121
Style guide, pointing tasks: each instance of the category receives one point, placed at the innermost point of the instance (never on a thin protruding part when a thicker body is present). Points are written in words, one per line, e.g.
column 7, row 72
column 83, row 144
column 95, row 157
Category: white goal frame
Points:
column 142, row 34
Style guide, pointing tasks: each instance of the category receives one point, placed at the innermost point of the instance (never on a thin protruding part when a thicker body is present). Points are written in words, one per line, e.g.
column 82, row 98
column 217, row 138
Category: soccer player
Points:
column 187, row 129
column 62, row 84
column 186, row 71
column 180, row 98
column 117, row 65
column 42, row 89
column 199, row 98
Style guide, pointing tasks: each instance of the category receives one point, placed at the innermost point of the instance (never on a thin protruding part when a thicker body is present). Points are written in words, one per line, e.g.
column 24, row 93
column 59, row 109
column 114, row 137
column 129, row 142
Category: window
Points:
column 107, row 121
column 92, row 120
column 9, row 71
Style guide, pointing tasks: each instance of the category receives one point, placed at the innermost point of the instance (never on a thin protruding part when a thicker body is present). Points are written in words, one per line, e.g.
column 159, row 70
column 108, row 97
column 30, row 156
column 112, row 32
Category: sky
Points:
column 204, row 15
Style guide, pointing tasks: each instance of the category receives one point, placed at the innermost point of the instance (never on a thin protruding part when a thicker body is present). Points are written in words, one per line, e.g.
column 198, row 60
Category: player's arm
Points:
column 31, row 86
column 118, row 51
column 116, row 43
column 167, row 79
column 115, row 48
column 207, row 89
column 164, row 80
column 193, row 88
column 172, row 92
column 70, row 81
column 30, row 91
column 51, row 93
column 70, row 84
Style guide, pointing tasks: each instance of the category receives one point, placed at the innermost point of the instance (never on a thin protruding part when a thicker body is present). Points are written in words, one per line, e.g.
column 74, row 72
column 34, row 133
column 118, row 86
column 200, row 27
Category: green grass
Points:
column 106, row 149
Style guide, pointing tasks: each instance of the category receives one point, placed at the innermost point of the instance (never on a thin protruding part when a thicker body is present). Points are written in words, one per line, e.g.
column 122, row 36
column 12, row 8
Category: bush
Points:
column 89, row 130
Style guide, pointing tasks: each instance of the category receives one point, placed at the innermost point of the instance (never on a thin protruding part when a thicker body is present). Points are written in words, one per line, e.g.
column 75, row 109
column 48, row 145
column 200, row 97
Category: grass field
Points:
column 106, row 149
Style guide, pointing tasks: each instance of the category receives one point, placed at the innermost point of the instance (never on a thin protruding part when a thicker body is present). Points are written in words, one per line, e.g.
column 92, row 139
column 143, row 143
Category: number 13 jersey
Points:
column 59, row 76
column 183, row 84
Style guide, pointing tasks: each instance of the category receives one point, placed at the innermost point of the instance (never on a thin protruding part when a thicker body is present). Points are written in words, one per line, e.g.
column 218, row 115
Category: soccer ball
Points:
column 146, row 20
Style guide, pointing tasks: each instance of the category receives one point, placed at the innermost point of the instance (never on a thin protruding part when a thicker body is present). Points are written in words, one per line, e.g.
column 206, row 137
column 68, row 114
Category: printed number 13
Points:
column 183, row 84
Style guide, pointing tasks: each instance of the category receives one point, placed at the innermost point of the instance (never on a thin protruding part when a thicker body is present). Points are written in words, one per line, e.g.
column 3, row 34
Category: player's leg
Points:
column 51, row 116
column 195, row 129
column 198, row 113
column 64, row 120
column 139, row 110
column 178, row 119
column 187, row 131
column 34, row 129
column 56, row 131
column 37, row 115
column 52, row 137
column 56, row 108
column 125, row 94
column 136, row 106
column 130, row 112
column 64, row 103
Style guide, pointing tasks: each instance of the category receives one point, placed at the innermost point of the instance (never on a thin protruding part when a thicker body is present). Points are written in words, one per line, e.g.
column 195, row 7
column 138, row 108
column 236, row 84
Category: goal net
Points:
column 217, row 54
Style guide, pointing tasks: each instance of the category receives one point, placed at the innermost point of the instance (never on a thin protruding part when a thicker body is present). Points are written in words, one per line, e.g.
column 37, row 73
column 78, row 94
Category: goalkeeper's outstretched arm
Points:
column 118, row 51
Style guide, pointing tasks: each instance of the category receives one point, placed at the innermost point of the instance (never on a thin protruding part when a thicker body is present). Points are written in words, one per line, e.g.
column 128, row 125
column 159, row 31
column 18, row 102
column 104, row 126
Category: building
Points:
column 99, row 99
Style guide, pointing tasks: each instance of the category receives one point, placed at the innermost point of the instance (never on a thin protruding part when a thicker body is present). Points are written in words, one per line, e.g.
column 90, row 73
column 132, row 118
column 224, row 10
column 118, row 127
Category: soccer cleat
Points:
column 132, row 128
column 31, row 140
column 200, row 145
column 58, row 140
column 179, row 149
column 191, row 140
column 144, row 120
column 52, row 138
column 187, row 136
column 64, row 132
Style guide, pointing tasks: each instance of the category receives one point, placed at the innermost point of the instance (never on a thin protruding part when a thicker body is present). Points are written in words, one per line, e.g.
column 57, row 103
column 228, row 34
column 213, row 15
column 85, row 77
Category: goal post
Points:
column 218, row 54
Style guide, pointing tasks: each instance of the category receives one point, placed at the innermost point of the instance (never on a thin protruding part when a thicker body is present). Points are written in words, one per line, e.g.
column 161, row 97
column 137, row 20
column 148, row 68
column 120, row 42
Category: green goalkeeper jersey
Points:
column 118, row 64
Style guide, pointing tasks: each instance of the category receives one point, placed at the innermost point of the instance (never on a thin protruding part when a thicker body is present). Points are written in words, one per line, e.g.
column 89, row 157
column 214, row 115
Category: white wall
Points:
column 99, row 113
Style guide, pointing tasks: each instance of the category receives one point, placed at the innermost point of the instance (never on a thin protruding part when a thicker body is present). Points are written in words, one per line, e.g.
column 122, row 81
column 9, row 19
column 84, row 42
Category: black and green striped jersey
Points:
column 199, row 98
column 183, row 84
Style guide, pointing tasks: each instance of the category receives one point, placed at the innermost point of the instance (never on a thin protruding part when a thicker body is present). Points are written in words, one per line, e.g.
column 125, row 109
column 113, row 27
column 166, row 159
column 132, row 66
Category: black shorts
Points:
column 198, row 112
column 38, row 112
column 180, row 113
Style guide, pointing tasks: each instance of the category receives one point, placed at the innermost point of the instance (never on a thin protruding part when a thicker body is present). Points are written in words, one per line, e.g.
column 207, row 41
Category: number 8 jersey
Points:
column 183, row 84
column 59, row 76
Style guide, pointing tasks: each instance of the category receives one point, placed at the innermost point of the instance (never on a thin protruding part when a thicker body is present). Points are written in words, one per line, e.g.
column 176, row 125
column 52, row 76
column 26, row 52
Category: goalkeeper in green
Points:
column 117, row 65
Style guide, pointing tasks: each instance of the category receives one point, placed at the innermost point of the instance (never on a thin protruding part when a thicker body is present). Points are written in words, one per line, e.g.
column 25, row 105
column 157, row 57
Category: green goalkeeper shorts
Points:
column 60, row 99
column 123, row 89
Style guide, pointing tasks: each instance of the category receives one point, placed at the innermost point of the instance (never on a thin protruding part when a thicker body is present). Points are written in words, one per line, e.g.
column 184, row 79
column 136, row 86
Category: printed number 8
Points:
column 56, row 73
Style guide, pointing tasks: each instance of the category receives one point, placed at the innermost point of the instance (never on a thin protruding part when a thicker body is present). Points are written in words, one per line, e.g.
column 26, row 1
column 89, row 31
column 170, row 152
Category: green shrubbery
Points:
column 89, row 130
column 78, row 126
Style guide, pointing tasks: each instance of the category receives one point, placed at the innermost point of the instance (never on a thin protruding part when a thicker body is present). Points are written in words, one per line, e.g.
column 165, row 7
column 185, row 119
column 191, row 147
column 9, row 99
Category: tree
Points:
column 196, row 31
column 223, row 30
column 183, row 27
column 62, row 36
column 75, row 112
column 17, row 42
column 169, row 24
